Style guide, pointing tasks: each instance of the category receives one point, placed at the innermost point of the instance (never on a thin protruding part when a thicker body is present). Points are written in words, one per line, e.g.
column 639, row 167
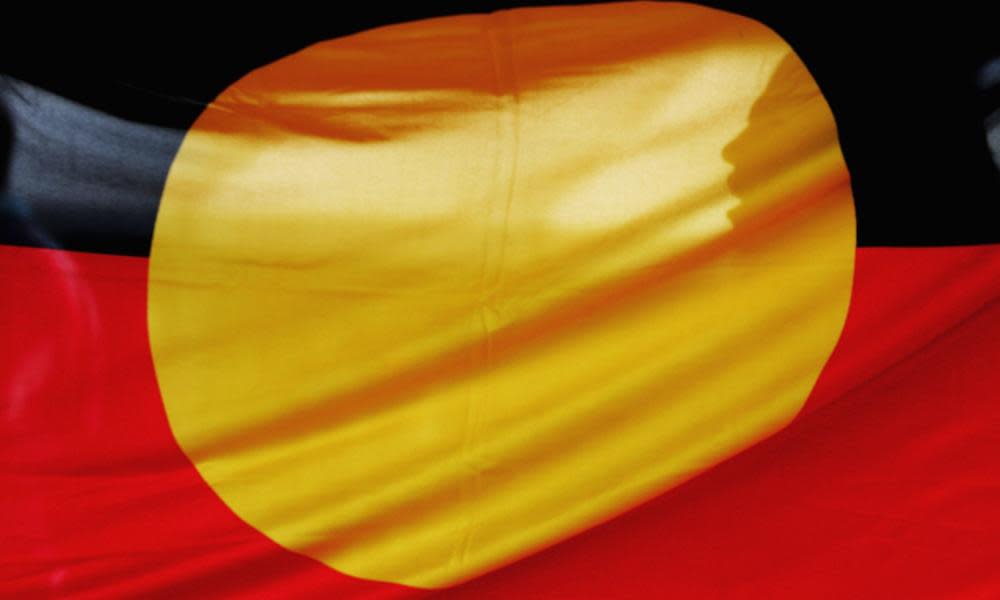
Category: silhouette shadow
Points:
column 789, row 125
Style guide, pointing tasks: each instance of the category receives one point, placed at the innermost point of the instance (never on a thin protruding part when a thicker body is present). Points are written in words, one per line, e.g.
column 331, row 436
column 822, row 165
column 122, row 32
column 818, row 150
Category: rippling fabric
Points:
column 434, row 296
column 546, row 303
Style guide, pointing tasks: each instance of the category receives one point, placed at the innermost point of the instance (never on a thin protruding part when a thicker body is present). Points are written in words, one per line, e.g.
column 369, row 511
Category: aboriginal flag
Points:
column 607, row 300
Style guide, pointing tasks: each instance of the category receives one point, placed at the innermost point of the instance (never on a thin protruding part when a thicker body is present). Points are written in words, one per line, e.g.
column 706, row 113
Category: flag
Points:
column 605, row 300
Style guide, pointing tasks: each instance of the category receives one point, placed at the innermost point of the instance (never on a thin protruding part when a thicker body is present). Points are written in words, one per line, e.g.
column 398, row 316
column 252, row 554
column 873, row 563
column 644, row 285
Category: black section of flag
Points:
column 77, row 178
column 83, row 163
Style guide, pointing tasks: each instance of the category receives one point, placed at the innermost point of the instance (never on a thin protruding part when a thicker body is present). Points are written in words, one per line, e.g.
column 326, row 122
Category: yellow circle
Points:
column 428, row 298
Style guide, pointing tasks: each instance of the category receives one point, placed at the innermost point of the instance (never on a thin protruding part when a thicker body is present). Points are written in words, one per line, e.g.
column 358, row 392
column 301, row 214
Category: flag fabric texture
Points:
column 587, row 301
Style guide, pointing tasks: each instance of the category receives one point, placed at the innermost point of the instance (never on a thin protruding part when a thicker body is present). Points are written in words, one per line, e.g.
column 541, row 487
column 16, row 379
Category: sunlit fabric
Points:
column 73, row 176
column 431, row 297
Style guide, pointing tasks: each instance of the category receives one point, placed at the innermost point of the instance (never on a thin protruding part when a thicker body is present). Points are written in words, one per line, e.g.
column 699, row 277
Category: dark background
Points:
column 902, row 86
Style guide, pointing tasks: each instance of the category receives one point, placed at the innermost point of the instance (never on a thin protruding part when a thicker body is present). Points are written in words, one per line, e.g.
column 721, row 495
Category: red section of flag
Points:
column 97, row 499
column 886, row 485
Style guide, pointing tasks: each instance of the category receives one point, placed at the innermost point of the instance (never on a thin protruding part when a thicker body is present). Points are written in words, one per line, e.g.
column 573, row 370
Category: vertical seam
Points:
column 507, row 86
column 506, row 102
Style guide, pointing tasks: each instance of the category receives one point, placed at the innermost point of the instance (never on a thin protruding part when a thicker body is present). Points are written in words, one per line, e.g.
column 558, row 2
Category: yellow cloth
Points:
column 430, row 297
